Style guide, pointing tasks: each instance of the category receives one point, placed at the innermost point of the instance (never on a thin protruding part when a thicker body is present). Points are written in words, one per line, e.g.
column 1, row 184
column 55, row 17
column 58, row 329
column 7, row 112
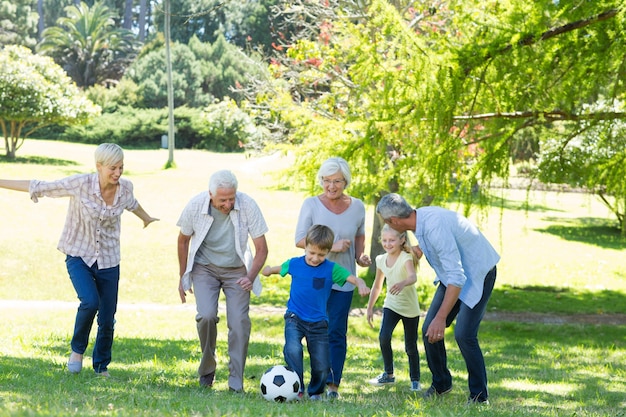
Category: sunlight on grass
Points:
column 557, row 257
column 525, row 385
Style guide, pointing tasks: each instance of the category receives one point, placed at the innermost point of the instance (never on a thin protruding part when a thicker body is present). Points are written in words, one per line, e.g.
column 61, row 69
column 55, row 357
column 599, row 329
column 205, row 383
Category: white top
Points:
column 196, row 221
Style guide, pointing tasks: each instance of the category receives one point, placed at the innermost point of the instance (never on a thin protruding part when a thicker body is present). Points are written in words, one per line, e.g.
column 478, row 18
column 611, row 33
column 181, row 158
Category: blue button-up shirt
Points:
column 456, row 250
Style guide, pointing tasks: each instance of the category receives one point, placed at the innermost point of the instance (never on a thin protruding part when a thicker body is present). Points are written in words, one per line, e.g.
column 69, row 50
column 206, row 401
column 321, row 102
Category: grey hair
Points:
column 108, row 154
column 222, row 179
column 331, row 166
column 393, row 205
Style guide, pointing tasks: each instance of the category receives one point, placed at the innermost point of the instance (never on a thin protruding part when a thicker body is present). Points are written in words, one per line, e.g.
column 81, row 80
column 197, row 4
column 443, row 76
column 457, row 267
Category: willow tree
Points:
column 429, row 100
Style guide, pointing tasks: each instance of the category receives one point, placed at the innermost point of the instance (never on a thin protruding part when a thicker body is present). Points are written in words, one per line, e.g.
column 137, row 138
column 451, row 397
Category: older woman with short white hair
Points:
column 345, row 215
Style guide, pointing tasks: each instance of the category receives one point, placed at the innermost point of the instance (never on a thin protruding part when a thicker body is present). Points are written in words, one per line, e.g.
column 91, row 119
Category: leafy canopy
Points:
column 35, row 92
column 430, row 98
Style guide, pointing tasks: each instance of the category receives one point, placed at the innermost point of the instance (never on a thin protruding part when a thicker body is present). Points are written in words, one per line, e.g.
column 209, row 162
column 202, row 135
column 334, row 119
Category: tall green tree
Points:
column 246, row 24
column 429, row 100
column 36, row 92
column 203, row 72
column 150, row 75
column 88, row 45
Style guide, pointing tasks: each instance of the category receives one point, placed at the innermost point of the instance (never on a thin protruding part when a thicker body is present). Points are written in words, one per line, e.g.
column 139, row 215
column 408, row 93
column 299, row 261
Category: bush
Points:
column 221, row 127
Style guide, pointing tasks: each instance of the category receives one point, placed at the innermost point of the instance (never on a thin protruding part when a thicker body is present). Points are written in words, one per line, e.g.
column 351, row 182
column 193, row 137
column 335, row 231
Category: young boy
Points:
column 312, row 278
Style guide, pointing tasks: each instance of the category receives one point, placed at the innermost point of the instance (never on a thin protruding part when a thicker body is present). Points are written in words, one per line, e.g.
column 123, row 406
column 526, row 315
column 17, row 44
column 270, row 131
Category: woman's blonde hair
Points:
column 108, row 154
column 406, row 246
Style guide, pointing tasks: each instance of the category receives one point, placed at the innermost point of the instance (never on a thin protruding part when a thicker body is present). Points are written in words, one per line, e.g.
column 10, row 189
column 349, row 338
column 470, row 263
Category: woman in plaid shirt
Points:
column 91, row 243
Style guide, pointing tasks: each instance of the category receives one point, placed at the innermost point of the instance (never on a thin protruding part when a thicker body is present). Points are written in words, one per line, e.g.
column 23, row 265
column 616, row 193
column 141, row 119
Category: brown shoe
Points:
column 207, row 380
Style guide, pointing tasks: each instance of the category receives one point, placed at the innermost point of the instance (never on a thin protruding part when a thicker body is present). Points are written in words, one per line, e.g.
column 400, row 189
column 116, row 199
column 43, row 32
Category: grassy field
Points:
column 558, row 257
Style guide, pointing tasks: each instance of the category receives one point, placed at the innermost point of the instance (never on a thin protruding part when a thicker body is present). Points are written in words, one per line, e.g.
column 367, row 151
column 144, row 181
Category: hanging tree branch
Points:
column 550, row 116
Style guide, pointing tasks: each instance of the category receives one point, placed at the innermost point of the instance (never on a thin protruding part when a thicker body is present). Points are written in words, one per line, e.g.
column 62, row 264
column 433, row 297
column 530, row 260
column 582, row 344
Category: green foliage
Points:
column 224, row 66
column 221, row 127
column 432, row 100
column 149, row 73
column 88, row 44
column 244, row 24
column 202, row 72
column 125, row 93
column 134, row 128
column 18, row 23
column 226, row 128
column 35, row 92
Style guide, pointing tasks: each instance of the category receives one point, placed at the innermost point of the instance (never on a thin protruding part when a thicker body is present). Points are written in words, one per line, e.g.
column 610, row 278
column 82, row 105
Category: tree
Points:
column 88, row 46
column 36, row 92
column 18, row 23
column 429, row 99
column 149, row 73
column 245, row 24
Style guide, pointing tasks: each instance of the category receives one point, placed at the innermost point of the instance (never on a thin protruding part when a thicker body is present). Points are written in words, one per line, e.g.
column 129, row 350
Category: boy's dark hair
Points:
column 320, row 236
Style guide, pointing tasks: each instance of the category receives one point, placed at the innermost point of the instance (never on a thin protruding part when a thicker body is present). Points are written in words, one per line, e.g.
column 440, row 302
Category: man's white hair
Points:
column 222, row 179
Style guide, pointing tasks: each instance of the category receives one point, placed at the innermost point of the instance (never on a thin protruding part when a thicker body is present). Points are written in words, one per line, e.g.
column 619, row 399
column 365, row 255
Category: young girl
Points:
column 399, row 266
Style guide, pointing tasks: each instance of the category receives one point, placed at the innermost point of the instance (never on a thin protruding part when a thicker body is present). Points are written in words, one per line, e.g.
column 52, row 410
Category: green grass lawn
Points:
column 558, row 256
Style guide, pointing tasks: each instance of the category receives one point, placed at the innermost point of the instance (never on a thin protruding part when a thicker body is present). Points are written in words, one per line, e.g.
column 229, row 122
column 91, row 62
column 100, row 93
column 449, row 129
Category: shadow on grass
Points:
column 499, row 202
column 594, row 231
column 562, row 365
column 38, row 160
column 552, row 300
column 533, row 370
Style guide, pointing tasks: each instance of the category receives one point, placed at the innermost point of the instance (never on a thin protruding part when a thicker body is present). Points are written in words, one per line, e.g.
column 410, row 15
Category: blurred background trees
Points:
column 435, row 99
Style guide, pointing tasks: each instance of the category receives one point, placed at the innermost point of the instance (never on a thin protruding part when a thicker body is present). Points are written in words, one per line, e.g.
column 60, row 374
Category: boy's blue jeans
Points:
column 466, row 335
column 316, row 335
column 97, row 291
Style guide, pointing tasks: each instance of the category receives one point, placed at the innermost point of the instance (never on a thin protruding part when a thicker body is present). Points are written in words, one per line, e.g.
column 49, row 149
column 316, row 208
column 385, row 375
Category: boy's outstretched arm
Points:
column 360, row 284
column 270, row 270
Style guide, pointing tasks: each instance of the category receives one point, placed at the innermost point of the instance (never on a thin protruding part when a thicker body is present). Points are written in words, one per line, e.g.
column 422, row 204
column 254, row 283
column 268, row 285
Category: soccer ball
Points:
column 280, row 384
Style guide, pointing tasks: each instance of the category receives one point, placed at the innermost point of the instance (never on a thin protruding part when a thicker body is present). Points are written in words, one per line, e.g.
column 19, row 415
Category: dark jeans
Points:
column 390, row 320
column 337, row 310
column 466, row 335
column 97, row 291
column 316, row 335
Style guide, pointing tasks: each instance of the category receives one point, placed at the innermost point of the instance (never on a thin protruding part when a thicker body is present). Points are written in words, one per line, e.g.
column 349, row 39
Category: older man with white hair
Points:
column 214, row 256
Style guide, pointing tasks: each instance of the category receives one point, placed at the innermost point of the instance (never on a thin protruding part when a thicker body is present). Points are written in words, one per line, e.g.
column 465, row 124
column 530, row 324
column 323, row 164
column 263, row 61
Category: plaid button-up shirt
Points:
column 92, row 229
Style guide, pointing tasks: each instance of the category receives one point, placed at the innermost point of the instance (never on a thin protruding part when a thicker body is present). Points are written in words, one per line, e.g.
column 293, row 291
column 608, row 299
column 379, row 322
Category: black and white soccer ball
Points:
column 280, row 384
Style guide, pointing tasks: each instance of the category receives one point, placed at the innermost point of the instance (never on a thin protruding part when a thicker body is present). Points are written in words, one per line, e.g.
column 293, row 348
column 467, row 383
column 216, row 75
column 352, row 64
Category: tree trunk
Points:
column 128, row 15
column 40, row 25
column 142, row 20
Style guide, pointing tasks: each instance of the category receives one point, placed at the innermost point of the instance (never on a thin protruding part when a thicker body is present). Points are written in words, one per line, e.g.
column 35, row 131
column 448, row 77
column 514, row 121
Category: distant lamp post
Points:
column 170, row 89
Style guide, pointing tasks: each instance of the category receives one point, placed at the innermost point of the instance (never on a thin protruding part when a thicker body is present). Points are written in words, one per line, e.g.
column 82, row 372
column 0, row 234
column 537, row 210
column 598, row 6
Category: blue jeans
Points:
column 97, row 291
column 388, row 325
column 316, row 335
column 466, row 335
column 337, row 310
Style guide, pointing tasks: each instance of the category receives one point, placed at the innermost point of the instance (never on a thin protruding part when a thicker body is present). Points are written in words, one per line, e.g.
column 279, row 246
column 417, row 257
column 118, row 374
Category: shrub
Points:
column 221, row 127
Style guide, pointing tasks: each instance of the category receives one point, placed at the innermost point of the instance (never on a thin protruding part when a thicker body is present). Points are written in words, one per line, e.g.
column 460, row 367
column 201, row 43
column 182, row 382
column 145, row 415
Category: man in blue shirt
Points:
column 465, row 264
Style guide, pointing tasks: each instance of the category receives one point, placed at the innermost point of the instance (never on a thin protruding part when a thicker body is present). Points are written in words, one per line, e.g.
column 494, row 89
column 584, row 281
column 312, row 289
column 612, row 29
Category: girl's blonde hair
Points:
column 406, row 246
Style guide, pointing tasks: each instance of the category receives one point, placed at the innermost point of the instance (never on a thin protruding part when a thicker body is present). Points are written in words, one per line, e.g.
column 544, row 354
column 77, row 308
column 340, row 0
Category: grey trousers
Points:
column 208, row 282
